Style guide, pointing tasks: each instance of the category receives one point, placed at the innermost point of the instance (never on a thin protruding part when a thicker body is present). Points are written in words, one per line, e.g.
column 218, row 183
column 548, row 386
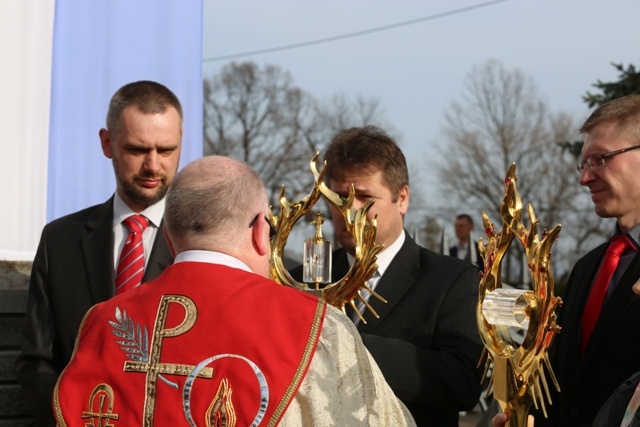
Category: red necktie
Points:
column 131, row 263
column 619, row 245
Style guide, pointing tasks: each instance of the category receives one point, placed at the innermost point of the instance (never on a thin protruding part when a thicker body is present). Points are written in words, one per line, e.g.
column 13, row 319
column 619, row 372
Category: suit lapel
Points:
column 571, row 316
column 159, row 258
column 396, row 281
column 566, row 349
column 97, row 250
column 97, row 246
column 614, row 309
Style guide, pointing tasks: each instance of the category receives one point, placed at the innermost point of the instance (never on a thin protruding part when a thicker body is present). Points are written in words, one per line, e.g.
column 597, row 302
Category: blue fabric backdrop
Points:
column 98, row 46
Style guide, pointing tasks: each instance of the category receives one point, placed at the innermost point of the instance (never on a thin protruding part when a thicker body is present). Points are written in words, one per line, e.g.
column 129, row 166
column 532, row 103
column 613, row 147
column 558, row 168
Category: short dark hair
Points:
column 465, row 216
column 368, row 148
column 623, row 112
column 147, row 96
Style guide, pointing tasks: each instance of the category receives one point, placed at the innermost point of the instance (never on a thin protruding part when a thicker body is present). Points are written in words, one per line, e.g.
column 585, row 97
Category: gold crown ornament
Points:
column 346, row 290
column 518, row 377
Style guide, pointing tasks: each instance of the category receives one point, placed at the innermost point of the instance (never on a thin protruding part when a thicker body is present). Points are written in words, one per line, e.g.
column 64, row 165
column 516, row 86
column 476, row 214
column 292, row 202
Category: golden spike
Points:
column 519, row 369
column 345, row 290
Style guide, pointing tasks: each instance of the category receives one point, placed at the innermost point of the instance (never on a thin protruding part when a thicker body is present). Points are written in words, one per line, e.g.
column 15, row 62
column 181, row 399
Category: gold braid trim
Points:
column 56, row 392
column 307, row 355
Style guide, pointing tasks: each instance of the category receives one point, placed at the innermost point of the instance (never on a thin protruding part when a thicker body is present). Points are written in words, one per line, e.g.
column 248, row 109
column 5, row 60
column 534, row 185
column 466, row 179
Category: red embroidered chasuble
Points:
column 202, row 345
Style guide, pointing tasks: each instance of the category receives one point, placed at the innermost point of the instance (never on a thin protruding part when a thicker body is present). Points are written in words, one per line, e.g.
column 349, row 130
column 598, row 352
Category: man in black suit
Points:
column 76, row 260
column 426, row 340
column 466, row 249
column 590, row 366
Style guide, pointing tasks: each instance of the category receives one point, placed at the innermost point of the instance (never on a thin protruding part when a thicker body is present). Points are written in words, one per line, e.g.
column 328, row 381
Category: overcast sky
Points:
column 418, row 70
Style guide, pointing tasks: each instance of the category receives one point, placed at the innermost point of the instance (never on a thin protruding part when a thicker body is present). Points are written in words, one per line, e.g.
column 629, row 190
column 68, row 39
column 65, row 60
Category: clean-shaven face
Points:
column 614, row 187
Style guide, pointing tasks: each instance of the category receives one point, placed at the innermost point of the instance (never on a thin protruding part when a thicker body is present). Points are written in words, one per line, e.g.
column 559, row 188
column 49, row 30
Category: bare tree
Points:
column 338, row 112
column 502, row 120
column 257, row 115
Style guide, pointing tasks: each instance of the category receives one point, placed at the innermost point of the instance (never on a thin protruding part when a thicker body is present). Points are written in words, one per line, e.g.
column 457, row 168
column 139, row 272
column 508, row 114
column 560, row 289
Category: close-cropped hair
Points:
column 147, row 96
column 367, row 149
column 465, row 216
column 215, row 203
column 622, row 112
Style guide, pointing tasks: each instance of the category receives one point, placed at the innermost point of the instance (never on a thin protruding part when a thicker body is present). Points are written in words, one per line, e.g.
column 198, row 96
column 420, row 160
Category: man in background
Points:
column 77, row 263
column 426, row 340
column 466, row 249
column 227, row 346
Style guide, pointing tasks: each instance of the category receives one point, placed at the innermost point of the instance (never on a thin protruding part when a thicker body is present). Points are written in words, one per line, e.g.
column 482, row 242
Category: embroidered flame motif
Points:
column 221, row 412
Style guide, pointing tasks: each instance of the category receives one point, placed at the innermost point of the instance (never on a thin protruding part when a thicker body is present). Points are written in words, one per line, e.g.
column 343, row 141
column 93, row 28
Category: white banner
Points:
column 25, row 47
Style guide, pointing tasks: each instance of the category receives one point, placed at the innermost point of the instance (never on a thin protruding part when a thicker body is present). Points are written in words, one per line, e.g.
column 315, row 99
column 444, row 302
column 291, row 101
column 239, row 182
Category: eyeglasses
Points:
column 596, row 161
column 272, row 229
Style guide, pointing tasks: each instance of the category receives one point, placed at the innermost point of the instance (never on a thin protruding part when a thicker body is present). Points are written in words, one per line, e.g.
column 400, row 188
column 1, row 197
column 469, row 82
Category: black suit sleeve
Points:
column 37, row 368
column 434, row 361
column 614, row 409
column 72, row 271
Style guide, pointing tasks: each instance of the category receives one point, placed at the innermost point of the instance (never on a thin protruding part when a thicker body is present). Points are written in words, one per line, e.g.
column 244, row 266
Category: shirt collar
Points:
column 153, row 213
column 633, row 234
column 211, row 258
column 386, row 255
column 463, row 246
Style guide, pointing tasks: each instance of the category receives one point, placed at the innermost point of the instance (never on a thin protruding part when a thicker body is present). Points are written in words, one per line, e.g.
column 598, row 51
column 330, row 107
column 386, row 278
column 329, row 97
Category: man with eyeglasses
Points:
column 213, row 341
column 597, row 348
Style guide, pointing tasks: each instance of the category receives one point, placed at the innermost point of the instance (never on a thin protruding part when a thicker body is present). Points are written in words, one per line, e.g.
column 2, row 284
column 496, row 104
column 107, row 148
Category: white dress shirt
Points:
column 384, row 260
column 120, row 233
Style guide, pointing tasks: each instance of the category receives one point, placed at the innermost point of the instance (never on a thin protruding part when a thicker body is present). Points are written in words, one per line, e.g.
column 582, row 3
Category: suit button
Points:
column 573, row 411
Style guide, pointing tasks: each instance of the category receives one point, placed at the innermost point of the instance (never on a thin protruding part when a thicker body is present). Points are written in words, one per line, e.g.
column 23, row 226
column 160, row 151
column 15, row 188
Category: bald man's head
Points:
column 210, row 201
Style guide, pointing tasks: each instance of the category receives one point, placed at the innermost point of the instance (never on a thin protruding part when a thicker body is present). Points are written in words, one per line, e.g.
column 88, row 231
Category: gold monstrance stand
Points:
column 518, row 377
column 346, row 290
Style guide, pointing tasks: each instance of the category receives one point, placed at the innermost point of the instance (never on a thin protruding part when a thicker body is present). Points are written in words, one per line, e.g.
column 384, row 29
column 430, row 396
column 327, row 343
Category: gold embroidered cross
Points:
column 153, row 368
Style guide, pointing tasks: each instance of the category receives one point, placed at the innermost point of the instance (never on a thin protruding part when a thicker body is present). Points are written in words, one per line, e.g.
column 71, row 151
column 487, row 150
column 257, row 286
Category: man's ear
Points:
column 105, row 142
column 169, row 243
column 403, row 200
column 259, row 237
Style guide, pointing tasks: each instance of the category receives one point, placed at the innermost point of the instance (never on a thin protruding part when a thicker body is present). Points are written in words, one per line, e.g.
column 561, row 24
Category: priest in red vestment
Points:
column 212, row 341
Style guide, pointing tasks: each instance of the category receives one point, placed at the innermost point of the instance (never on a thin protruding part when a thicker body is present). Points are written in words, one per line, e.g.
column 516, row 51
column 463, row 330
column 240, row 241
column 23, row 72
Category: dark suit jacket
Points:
column 453, row 251
column 613, row 410
column 72, row 271
column 426, row 340
column 613, row 351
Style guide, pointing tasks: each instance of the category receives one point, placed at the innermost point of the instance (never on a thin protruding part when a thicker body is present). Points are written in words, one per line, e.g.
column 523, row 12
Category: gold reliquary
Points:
column 317, row 258
column 518, row 377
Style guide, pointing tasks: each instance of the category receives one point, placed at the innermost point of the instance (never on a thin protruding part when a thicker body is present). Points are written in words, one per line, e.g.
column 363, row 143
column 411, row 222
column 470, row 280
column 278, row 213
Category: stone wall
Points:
column 14, row 285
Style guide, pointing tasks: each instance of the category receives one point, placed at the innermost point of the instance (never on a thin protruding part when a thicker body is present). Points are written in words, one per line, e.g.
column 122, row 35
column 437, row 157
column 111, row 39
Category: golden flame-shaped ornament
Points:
column 518, row 377
column 347, row 290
